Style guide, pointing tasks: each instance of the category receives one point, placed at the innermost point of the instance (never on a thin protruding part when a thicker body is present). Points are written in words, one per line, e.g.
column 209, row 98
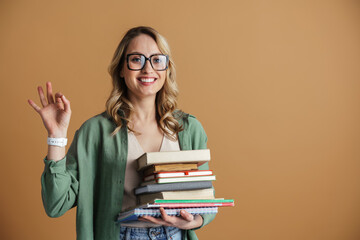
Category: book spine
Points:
column 184, row 179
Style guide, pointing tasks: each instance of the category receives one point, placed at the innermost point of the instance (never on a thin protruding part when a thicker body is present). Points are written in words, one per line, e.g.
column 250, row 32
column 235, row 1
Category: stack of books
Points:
column 173, row 181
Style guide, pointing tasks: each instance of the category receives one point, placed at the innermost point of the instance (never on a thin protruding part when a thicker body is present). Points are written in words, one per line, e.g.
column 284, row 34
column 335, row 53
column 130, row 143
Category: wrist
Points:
column 57, row 135
column 59, row 142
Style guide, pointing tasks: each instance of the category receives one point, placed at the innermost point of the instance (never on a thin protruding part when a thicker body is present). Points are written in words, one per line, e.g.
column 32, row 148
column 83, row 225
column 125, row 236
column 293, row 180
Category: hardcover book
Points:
column 178, row 174
column 153, row 188
column 190, row 156
column 180, row 179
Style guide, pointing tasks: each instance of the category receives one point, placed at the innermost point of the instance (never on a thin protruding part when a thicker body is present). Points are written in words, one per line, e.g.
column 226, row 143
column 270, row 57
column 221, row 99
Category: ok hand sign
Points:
column 55, row 113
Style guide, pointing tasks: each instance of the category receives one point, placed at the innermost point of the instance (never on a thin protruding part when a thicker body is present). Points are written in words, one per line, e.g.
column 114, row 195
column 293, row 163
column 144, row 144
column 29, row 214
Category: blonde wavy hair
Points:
column 166, row 98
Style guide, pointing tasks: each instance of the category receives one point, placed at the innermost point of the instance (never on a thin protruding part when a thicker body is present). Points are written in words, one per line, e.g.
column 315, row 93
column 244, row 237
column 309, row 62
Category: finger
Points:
column 58, row 101
column 187, row 216
column 42, row 97
column 66, row 104
column 49, row 93
column 58, row 95
column 166, row 217
column 36, row 107
column 143, row 219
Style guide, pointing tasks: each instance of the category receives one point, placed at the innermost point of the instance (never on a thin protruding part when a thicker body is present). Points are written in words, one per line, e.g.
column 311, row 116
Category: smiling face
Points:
column 146, row 82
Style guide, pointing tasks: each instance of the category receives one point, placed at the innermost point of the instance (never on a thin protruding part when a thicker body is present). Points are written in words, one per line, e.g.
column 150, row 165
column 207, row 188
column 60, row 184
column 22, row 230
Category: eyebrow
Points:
column 135, row 52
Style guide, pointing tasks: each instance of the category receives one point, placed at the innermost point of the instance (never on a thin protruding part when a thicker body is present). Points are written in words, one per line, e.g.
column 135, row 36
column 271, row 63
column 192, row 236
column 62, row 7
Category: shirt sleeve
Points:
column 60, row 183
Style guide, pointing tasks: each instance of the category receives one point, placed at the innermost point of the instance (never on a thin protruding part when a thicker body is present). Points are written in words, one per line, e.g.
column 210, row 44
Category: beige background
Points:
column 275, row 84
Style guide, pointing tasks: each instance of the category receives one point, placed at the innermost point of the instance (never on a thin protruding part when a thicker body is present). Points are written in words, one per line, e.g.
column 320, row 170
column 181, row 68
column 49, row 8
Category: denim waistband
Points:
column 148, row 233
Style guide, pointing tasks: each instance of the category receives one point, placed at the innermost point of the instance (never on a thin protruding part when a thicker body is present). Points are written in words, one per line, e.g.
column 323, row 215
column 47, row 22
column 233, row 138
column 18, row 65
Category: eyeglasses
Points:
column 136, row 62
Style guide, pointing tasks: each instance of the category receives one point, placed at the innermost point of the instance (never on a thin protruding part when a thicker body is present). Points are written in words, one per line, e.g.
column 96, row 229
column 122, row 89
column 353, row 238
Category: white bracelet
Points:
column 61, row 142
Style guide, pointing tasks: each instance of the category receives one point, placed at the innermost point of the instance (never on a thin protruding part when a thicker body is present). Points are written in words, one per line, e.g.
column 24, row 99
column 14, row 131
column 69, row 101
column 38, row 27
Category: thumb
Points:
column 187, row 216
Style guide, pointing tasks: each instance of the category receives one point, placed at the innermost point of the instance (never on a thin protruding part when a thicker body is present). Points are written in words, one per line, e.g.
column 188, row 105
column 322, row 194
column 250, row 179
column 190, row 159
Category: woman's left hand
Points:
column 186, row 221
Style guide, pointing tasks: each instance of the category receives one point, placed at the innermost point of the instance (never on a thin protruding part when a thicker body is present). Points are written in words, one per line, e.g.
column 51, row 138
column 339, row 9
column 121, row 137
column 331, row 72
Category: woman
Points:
column 98, row 174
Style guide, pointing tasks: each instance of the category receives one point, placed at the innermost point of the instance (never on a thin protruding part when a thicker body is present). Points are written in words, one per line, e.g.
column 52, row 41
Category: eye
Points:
column 135, row 59
column 157, row 60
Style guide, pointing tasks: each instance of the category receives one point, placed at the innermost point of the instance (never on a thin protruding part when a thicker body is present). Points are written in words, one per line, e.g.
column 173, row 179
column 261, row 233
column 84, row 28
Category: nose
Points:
column 147, row 67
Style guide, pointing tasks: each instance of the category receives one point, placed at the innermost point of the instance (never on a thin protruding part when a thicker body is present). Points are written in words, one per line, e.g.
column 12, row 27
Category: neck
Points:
column 145, row 109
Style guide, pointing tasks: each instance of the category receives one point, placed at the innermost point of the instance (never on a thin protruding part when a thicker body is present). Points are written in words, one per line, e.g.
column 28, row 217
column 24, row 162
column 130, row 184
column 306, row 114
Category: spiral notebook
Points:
column 132, row 215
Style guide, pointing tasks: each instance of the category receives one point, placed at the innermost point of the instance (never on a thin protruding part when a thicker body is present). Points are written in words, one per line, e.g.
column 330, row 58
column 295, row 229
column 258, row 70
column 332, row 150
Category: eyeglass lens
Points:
column 137, row 62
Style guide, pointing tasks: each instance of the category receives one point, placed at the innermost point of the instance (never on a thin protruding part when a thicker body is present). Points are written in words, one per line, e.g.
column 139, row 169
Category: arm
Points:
column 59, row 183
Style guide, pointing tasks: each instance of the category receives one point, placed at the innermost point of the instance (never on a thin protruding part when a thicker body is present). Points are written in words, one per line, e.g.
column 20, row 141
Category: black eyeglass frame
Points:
column 146, row 59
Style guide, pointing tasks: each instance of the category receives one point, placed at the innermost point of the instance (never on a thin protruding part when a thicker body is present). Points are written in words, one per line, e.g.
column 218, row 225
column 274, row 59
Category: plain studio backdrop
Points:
column 274, row 83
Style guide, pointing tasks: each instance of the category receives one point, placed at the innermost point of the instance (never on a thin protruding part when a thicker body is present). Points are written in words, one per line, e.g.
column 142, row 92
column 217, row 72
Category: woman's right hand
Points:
column 55, row 112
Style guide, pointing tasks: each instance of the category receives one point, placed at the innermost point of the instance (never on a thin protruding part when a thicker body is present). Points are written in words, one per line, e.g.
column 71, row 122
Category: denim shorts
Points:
column 156, row 233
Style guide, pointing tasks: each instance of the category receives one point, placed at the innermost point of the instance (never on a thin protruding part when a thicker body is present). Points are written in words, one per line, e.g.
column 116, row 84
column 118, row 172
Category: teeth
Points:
column 147, row 80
